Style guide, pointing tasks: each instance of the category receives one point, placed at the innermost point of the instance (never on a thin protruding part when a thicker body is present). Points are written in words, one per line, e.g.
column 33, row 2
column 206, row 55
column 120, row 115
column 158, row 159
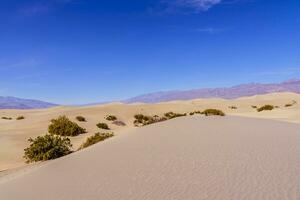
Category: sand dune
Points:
column 14, row 134
column 213, row 158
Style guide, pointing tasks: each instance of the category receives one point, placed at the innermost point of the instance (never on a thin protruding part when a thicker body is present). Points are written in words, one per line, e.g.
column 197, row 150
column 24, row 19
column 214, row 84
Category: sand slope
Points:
column 214, row 158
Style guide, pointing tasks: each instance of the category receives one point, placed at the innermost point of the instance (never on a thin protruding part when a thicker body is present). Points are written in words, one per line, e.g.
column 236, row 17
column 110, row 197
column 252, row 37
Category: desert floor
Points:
column 194, row 157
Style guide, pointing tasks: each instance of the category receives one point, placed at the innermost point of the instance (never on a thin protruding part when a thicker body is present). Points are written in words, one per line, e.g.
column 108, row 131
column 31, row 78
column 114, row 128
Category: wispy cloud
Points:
column 189, row 5
column 26, row 63
column 209, row 30
column 279, row 72
column 44, row 6
column 194, row 6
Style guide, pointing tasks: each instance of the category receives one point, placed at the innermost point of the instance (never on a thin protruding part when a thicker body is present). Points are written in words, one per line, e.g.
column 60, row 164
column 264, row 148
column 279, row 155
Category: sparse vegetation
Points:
column 47, row 147
column 195, row 112
column 98, row 137
column 119, row 123
column 103, row 126
column 232, row 107
column 111, row 118
column 290, row 104
column 171, row 115
column 64, row 127
column 254, row 107
column 20, row 118
column 80, row 119
column 143, row 120
column 7, row 118
column 265, row 107
column 210, row 112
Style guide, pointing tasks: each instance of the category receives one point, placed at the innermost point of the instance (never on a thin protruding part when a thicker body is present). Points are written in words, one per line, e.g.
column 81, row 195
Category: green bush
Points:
column 265, row 107
column 143, row 120
column 195, row 112
column 20, row 118
column 111, row 118
column 290, row 104
column 47, row 147
column 80, row 119
column 64, row 127
column 232, row 107
column 98, row 137
column 209, row 112
column 171, row 115
column 103, row 126
column 7, row 118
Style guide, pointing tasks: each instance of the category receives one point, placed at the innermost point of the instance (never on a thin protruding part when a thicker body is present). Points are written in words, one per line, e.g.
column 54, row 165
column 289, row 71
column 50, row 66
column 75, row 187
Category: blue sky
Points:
column 82, row 51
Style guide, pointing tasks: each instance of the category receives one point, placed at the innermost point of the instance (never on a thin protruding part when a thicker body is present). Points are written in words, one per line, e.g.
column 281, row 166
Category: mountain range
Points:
column 18, row 103
column 224, row 92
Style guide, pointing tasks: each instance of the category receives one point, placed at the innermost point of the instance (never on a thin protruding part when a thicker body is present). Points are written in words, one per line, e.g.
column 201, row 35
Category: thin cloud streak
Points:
column 41, row 7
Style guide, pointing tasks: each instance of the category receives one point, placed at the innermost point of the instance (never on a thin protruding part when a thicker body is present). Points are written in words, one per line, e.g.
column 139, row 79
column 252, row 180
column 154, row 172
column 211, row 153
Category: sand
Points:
column 14, row 134
column 212, row 158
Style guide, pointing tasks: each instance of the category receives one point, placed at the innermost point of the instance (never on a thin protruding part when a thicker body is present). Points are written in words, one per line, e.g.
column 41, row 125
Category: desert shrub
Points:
column 232, row 107
column 119, row 123
column 209, row 112
column 103, row 126
column 98, row 137
column 7, row 118
column 47, row 147
column 111, row 118
column 64, row 127
column 265, row 107
column 254, row 107
column 143, row 120
column 20, row 118
column 171, row 115
column 290, row 104
column 80, row 119
column 195, row 112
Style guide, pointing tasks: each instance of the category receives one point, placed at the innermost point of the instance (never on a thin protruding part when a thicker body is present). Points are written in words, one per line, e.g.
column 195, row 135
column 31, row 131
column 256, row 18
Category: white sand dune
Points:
column 212, row 158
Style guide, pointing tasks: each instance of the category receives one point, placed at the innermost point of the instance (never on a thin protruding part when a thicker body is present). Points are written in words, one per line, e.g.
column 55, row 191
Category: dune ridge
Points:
column 214, row 158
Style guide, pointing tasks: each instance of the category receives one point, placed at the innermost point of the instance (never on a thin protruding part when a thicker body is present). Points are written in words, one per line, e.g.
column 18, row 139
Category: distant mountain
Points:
column 17, row 103
column 225, row 92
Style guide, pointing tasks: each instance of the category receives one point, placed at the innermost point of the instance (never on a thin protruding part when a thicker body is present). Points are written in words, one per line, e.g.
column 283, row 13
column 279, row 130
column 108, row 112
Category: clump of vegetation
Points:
column 171, row 115
column 232, row 107
column 111, row 118
column 103, row 126
column 195, row 112
column 254, row 107
column 64, row 127
column 98, row 137
column 119, row 123
column 290, row 104
column 210, row 112
column 7, row 118
column 143, row 120
column 80, row 119
column 20, row 118
column 47, row 147
column 265, row 107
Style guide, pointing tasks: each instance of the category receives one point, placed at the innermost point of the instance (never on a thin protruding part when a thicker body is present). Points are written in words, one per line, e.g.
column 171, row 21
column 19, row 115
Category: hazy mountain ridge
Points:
column 226, row 93
column 18, row 103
